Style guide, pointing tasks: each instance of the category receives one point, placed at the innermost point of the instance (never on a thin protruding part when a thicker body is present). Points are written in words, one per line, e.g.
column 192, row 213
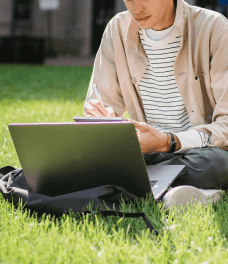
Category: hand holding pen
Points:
column 96, row 108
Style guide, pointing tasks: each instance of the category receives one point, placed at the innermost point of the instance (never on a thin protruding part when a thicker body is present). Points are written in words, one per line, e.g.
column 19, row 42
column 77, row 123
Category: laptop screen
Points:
column 59, row 158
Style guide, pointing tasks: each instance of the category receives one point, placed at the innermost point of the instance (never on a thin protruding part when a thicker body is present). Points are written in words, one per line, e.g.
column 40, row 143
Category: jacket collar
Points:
column 132, row 35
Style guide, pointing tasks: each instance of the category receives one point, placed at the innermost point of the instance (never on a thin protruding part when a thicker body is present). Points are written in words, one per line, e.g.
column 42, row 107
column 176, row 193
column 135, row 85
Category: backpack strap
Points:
column 5, row 170
column 122, row 214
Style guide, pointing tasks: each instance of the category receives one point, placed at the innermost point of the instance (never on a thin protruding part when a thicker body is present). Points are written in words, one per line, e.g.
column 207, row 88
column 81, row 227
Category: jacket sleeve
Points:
column 105, row 76
column 218, row 129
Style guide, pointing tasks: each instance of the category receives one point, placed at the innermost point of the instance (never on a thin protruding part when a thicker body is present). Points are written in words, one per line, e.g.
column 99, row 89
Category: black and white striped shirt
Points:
column 162, row 101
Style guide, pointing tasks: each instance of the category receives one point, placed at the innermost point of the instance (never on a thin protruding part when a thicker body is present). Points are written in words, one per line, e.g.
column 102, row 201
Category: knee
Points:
column 213, row 163
column 212, row 155
column 218, row 156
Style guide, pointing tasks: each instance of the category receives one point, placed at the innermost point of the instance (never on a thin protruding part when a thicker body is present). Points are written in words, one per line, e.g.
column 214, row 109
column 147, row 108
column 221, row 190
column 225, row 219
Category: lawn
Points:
column 56, row 94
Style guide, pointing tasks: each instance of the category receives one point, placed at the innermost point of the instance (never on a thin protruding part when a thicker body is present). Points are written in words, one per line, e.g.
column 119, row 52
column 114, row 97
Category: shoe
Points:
column 183, row 195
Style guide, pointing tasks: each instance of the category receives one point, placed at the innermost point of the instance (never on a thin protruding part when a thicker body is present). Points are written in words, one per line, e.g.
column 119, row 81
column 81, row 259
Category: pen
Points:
column 98, row 95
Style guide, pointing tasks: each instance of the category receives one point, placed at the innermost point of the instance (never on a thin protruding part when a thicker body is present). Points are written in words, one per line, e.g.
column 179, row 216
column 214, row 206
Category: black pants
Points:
column 205, row 168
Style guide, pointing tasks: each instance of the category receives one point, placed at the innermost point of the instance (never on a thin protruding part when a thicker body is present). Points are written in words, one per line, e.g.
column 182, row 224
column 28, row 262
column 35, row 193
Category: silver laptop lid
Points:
column 162, row 176
column 59, row 158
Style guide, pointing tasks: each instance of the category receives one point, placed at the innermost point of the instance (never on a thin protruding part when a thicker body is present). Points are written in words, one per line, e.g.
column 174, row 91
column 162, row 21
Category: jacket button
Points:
column 133, row 80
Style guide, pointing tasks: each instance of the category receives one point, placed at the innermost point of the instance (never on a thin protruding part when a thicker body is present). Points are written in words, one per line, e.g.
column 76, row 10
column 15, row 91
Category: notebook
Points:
column 59, row 158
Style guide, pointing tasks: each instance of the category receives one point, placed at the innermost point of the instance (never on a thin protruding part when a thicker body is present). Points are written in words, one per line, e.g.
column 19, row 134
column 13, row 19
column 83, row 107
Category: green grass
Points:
column 56, row 94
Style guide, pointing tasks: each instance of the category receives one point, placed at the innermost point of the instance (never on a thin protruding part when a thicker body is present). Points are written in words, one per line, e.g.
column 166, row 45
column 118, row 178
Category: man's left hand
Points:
column 150, row 139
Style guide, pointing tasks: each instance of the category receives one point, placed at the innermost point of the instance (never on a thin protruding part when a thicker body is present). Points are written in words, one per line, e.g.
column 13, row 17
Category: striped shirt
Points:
column 162, row 101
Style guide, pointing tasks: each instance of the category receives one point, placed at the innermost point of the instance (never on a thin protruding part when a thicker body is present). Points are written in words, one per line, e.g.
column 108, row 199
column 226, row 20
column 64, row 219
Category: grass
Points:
column 51, row 94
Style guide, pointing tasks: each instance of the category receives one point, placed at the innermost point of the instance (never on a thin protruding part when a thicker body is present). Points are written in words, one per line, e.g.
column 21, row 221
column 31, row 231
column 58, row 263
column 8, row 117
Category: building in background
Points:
column 74, row 27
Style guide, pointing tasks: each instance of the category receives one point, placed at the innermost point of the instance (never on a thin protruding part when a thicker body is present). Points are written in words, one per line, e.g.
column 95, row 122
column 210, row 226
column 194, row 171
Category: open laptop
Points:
column 59, row 158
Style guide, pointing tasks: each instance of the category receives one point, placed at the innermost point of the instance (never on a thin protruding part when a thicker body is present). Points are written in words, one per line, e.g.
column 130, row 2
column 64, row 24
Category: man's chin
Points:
column 150, row 26
column 145, row 27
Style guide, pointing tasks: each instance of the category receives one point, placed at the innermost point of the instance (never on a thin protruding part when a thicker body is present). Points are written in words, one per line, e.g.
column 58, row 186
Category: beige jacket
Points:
column 201, row 69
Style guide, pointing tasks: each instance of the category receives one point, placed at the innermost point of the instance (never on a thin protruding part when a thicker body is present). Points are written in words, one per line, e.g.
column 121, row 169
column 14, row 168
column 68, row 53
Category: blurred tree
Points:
column 212, row 4
column 103, row 11
column 218, row 5
column 22, row 17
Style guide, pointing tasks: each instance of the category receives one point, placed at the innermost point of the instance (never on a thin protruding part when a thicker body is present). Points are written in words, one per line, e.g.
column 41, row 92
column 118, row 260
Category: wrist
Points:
column 178, row 145
column 173, row 143
column 164, row 146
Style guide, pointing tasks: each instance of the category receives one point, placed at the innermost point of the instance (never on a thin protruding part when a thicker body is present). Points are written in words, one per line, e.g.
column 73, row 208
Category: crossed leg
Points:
column 205, row 168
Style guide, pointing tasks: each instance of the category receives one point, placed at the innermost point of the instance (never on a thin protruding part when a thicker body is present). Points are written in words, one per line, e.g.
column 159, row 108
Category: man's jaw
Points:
column 143, row 21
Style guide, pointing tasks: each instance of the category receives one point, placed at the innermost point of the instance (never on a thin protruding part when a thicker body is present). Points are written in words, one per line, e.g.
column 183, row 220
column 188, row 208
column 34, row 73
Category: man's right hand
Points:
column 96, row 109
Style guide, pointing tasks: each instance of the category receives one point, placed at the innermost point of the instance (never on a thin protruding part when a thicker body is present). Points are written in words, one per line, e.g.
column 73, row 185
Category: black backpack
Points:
column 14, row 188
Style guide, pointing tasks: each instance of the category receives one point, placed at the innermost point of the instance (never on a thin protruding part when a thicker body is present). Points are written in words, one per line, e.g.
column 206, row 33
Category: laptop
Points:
column 59, row 158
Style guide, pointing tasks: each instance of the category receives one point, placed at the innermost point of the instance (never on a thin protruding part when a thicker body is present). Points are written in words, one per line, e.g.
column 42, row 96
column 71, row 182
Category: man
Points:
column 166, row 63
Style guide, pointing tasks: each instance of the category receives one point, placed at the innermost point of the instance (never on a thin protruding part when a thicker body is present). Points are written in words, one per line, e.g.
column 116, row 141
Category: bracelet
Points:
column 173, row 143
column 168, row 140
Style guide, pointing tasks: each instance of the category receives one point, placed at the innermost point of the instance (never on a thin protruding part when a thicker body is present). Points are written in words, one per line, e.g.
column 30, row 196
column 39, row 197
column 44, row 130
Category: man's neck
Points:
column 168, row 19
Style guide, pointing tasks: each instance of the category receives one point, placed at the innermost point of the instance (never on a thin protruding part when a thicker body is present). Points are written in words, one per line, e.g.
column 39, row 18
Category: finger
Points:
column 137, row 124
column 110, row 111
column 97, row 104
column 87, row 108
column 137, row 132
column 91, row 110
column 89, row 115
column 96, row 113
